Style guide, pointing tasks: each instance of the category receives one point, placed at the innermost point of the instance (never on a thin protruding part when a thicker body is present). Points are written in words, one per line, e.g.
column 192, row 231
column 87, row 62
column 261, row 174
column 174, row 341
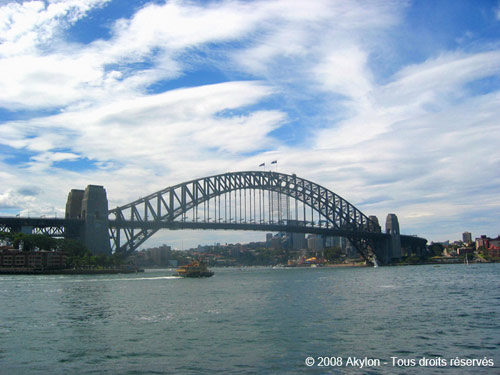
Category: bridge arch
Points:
column 132, row 224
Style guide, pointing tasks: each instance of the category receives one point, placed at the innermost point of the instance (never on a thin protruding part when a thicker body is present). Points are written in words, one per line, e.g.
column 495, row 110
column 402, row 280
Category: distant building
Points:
column 482, row 241
column 276, row 243
column 297, row 241
column 350, row 250
column 494, row 251
column 444, row 243
column 160, row 255
column 487, row 242
column 336, row 242
column 495, row 242
column 315, row 243
column 466, row 237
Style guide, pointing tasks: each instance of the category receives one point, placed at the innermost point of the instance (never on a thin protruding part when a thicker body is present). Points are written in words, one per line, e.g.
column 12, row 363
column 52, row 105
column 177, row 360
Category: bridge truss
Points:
column 253, row 200
column 52, row 227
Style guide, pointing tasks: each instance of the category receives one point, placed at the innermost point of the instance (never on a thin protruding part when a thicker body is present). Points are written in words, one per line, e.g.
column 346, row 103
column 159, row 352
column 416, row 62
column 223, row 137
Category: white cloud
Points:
column 31, row 24
column 345, row 72
column 445, row 75
column 432, row 86
column 151, row 133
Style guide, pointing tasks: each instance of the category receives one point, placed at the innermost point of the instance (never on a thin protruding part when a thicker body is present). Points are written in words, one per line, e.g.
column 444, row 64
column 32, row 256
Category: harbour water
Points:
column 253, row 321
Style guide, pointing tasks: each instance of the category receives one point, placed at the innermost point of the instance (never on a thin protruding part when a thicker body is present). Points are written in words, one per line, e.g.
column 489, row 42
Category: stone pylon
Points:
column 91, row 205
column 394, row 245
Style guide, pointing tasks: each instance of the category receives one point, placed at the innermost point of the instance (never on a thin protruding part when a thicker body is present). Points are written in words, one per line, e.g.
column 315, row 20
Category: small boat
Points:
column 194, row 269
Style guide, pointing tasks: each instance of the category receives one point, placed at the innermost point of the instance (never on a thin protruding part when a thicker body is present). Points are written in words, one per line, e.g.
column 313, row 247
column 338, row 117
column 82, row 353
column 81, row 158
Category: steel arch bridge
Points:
column 251, row 200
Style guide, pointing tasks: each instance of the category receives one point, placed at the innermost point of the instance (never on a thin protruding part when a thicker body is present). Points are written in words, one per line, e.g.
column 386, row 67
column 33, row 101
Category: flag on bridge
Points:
column 262, row 165
column 274, row 162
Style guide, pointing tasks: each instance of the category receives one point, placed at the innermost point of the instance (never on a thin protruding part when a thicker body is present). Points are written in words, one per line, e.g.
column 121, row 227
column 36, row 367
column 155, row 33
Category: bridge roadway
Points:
column 406, row 240
column 71, row 228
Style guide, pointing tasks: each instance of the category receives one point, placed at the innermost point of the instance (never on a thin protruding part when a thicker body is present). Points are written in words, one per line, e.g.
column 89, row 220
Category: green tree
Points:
column 24, row 241
column 44, row 242
column 6, row 236
column 117, row 259
column 72, row 248
column 333, row 254
column 436, row 249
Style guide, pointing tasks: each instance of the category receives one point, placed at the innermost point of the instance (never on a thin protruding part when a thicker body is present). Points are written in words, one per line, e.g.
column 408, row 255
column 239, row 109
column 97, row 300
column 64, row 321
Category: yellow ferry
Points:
column 194, row 269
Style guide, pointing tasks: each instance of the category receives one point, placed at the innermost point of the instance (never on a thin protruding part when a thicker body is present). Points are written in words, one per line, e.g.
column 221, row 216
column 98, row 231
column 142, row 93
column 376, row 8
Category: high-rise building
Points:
column 297, row 240
column 315, row 243
column 466, row 237
column 336, row 242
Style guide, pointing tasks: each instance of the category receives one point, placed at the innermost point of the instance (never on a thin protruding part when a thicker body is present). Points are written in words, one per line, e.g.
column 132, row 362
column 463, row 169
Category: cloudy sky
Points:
column 393, row 105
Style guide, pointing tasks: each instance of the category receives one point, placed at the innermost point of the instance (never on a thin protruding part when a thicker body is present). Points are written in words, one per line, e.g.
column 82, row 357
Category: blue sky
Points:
column 394, row 105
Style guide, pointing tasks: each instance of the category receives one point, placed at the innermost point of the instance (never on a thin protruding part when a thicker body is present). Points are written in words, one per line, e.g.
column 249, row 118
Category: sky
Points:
column 393, row 105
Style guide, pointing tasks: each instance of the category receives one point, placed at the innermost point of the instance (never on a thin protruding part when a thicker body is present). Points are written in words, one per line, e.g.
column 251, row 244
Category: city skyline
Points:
column 393, row 105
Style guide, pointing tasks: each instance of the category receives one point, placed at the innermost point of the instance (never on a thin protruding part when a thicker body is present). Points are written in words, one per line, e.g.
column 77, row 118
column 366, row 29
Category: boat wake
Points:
column 126, row 279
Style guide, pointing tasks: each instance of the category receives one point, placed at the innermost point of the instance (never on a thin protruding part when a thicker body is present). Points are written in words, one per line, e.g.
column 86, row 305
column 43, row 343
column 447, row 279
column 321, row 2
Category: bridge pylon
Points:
column 91, row 205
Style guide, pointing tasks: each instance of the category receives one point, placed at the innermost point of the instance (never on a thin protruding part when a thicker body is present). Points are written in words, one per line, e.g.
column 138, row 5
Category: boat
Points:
column 194, row 269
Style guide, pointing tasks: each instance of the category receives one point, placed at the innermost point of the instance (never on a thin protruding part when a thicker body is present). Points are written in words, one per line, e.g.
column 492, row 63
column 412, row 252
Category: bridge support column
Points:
column 91, row 205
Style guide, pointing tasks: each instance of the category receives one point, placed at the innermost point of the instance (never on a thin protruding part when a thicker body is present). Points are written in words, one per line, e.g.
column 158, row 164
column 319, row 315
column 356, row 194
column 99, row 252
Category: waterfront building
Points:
column 490, row 244
column 483, row 241
column 32, row 259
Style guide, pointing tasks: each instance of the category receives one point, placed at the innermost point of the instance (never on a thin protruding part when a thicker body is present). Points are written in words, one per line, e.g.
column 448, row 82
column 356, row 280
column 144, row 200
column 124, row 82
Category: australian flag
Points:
column 262, row 165
column 274, row 162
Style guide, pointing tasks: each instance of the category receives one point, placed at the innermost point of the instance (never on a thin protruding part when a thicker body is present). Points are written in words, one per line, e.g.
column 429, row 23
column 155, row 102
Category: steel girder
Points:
column 68, row 228
column 172, row 202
